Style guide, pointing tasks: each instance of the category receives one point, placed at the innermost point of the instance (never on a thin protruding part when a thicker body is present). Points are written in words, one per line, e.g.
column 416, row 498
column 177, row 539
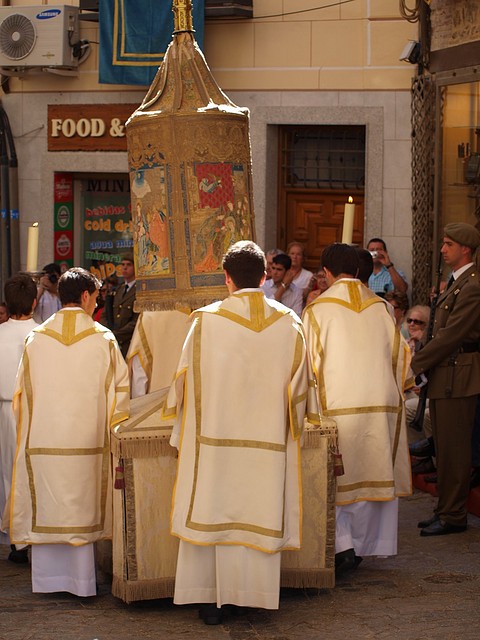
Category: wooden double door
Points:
column 315, row 218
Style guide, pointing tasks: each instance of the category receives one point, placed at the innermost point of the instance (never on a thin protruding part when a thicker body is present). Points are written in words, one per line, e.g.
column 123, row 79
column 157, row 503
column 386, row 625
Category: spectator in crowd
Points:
column 241, row 507
column 399, row 302
column 360, row 365
column 385, row 276
column 48, row 301
column 3, row 312
column 417, row 324
column 21, row 297
column 285, row 292
column 318, row 287
column 71, row 389
column 269, row 256
column 124, row 317
column 297, row 274
column 452, row 360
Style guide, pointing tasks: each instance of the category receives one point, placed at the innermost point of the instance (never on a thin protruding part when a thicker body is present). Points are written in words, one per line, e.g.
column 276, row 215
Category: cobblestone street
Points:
column 429, row 591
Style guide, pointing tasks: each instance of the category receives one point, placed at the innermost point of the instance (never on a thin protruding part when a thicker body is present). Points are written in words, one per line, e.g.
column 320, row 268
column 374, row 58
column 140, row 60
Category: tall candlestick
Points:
column 32, row 248
column 348, row 218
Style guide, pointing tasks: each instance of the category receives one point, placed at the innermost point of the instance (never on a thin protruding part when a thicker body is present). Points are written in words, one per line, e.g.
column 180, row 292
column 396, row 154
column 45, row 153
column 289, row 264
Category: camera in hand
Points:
column 53, row 278
column 374, row 254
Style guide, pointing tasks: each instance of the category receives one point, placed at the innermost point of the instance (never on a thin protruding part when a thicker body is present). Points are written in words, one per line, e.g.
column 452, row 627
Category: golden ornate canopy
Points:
column 191, row 180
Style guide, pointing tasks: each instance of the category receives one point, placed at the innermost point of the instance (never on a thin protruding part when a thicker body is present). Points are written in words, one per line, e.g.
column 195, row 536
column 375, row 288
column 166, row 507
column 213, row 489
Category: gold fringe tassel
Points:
column 142, row 448
column 131, row 591
column 307, row 578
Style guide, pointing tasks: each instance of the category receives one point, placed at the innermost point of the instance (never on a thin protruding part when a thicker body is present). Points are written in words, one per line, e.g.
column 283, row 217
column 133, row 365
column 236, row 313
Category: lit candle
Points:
column 348, row 217
column 32, row 248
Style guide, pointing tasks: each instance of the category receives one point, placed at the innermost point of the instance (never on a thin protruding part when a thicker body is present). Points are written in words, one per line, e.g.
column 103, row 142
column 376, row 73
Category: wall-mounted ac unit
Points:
column 40, row 36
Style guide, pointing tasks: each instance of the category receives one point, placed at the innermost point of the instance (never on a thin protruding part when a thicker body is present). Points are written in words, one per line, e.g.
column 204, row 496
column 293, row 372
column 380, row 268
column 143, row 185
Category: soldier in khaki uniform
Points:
column 124, row 318
column 452, row 360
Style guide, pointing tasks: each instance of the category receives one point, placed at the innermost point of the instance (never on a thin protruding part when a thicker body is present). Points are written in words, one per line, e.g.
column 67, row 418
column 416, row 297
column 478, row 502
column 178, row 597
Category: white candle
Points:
column 348, row 218
column 32, row 248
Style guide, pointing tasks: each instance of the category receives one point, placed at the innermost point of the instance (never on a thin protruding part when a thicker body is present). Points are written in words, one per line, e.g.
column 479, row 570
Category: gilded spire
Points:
column 182, row 16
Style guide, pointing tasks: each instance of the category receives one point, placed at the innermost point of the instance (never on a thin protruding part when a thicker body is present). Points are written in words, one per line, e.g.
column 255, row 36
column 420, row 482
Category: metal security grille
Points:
column 423, row 165
column 323, row 157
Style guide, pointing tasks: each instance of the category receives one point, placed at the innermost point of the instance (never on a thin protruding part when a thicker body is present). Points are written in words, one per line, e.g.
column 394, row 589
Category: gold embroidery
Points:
column 68, row 335
column 53, row 451
column 146, row 349
column 258, row 321
column 373, row 484
column 238, row 526
column 354, row 410
column 252, row 444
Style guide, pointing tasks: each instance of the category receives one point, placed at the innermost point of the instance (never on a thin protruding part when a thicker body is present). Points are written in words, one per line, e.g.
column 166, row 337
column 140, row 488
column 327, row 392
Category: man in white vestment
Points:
column 72, row 388
column 237, row 499
column 361, row 363
column 21, row 298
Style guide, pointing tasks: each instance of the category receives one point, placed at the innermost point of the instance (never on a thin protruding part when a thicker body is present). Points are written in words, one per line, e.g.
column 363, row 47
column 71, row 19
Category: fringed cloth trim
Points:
column 146, row 447
column 307, row 578
column 131, row 591
column 165, row 303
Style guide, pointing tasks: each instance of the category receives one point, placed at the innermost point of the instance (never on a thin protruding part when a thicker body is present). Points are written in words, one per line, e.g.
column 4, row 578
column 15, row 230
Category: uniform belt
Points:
column 469, row 347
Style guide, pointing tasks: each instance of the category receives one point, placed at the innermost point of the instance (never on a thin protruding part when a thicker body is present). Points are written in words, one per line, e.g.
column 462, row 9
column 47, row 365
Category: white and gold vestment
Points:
column 72, row 387
column 239, row 401
column 361, row 363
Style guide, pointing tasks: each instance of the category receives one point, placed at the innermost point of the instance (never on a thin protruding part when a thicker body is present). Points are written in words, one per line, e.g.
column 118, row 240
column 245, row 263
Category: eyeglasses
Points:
column 415, row 321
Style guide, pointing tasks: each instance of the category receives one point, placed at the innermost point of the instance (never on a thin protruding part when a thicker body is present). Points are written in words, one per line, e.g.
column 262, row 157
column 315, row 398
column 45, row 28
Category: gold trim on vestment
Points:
column 52, row 451
column 197, row 392
column 68, row 335
column 366, row 484
column 252, row 444
column 148, row 365
column 171, row 412
column 354, row 304
column 141, row 418
column 295, row 426
column 130, row 524
column 347, row 411
column 258, row 321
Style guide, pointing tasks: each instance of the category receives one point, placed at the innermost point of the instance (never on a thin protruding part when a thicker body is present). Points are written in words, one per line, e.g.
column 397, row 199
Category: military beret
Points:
column 463, row 233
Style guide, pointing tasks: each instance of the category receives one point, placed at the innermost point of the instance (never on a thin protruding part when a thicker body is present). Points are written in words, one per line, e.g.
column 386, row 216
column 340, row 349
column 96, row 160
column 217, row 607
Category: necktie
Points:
column 126, row 290
column 451, row 280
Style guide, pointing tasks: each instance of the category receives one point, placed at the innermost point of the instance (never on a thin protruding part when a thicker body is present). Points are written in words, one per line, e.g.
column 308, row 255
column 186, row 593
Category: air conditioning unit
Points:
column 41, row 36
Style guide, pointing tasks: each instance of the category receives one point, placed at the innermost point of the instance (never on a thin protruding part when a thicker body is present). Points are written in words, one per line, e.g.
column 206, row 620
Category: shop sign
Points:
column 88, row 127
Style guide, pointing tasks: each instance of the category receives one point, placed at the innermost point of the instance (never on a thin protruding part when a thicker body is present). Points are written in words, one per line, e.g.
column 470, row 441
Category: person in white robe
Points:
column 361, row 363
column 237, row 498
column 20, row 294
column 72, row 388
column 155, row 349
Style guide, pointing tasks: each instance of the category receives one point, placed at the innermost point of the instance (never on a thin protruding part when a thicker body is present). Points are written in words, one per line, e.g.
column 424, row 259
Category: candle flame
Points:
column 35, row 224
column 350, row 199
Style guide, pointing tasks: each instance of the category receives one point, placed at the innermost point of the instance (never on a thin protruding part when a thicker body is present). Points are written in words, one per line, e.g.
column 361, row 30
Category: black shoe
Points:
column 423, row 466
column 426, row 523
column 211, row 614
column 475, row 478
column 346, row 561
column 422, row 448
column 19, row 556
column 442, row 528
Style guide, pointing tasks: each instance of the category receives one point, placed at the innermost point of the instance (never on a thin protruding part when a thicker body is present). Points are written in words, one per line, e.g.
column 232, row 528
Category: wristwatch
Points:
column 389, row 266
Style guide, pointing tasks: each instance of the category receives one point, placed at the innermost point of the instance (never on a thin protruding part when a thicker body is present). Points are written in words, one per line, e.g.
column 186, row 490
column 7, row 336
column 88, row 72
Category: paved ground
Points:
column 429, row 591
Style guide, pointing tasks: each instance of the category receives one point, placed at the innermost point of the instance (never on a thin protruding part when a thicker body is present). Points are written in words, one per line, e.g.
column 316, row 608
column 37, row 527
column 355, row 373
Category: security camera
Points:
column 411, row 52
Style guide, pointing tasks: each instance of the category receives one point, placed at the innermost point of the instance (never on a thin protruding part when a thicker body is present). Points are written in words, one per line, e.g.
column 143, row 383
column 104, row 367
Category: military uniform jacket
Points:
column 124, row 318
column 450, row 357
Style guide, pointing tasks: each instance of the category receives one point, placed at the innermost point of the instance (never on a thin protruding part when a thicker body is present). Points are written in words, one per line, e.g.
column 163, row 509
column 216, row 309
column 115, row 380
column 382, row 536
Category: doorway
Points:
column 319, row 166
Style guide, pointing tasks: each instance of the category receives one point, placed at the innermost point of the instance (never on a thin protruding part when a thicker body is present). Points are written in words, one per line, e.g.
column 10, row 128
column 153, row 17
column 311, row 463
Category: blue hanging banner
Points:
column 134, row 35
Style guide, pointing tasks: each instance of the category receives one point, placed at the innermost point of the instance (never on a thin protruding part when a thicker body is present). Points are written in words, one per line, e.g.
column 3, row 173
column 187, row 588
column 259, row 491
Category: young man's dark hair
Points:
column 20, row 294
column 74, row 282
column 366, row 265
column 245, row 263
column 341, row 258
column 382, row 242
column 52, row 269
column 283, row 259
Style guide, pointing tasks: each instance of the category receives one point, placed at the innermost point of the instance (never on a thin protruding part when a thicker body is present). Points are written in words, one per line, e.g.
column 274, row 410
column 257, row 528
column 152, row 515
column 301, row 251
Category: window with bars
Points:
column 323, row 157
